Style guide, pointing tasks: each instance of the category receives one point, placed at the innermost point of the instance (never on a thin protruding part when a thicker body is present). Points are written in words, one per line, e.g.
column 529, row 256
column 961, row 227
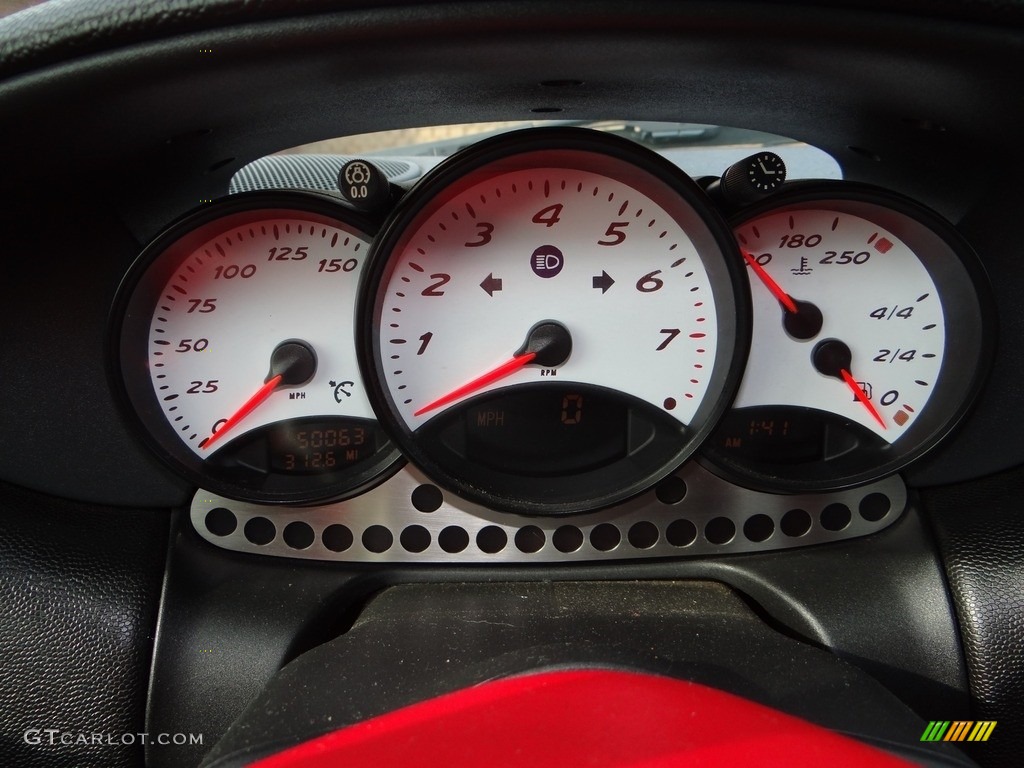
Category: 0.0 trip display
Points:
column 866, row 346
column 540, row 266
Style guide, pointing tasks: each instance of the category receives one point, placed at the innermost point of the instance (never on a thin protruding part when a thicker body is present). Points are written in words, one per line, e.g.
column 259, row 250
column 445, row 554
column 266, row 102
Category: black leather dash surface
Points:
column 79, row 592
column 980, row 528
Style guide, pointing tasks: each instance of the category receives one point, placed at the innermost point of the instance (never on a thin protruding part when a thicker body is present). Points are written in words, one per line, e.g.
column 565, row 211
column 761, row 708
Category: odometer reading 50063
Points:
column 542, row 267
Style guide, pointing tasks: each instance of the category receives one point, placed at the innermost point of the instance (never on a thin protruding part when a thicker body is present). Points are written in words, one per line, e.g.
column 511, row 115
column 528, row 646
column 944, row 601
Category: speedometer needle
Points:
column 548, row 343
column 250, row 405
column 784, row 298
column 833, row 358
column 292, row 364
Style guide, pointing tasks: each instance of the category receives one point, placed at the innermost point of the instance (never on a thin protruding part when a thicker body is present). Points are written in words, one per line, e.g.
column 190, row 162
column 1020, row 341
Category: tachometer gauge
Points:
column 553, row 321
column 870, row 339
column 234, row 343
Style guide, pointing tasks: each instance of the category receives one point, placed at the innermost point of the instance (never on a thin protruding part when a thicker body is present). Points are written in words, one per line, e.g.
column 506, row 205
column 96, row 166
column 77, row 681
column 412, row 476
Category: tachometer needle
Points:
column 548, row 343
column 495, row 374
column 250, row 405
column 784, row 298
column 859, row 394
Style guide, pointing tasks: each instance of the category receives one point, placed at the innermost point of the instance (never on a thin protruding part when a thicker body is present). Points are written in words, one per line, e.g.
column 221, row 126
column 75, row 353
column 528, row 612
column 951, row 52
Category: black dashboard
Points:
column 120, row 121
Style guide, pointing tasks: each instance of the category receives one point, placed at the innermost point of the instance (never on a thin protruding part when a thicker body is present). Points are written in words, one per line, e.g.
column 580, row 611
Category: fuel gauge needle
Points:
column 859, row 394
column 832, row 357
column 548, row 344
column 292, row 364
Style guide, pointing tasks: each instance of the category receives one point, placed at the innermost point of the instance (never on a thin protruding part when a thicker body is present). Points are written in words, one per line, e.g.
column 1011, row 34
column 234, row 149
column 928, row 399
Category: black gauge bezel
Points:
column 128, row 341
column 965, row 292
column 625, row 479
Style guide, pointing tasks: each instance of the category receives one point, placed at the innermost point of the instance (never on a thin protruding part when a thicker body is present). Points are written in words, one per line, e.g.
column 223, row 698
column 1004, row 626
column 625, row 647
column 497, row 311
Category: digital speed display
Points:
column 546, row 432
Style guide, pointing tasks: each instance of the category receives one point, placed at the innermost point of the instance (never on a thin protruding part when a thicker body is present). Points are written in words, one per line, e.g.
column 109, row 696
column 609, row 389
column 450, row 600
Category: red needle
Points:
column 859, row 393
column 250, row 405
column 772, row 286
column 505, row 369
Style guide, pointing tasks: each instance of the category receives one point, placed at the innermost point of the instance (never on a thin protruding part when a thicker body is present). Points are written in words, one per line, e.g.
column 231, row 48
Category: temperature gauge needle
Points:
column 833, row 358
column 784, row 298
column 292, row 364
column 548, row 344
column 802, row 319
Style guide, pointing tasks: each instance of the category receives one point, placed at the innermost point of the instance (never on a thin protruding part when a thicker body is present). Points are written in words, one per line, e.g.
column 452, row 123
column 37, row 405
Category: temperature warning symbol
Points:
column 803, row 269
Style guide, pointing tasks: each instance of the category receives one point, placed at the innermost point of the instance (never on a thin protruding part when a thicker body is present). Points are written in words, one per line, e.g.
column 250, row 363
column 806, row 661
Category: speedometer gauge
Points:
column 552, row 322
column 235, row 347
column 870, row 339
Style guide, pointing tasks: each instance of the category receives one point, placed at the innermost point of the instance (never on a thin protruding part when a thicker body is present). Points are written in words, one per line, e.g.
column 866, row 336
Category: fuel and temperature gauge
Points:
column 869, row 340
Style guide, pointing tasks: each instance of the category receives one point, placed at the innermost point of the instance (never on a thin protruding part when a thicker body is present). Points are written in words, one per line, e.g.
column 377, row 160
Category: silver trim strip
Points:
column 710, row 504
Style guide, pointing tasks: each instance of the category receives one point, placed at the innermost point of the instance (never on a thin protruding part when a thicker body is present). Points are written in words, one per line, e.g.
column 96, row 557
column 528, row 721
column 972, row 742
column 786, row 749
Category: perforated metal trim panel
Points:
column 690, row 513
column 309, row 172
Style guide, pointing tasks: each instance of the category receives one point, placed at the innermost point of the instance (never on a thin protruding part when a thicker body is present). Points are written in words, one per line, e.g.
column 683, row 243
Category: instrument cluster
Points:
column 551, row 322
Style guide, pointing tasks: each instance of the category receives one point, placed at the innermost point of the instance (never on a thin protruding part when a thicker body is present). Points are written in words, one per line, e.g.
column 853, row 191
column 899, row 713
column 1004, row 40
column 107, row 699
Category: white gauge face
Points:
column 237, row 351
column 868, row 343
column 554, row 323
column 232, row 300
column 548, row 244
column 875, row 297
